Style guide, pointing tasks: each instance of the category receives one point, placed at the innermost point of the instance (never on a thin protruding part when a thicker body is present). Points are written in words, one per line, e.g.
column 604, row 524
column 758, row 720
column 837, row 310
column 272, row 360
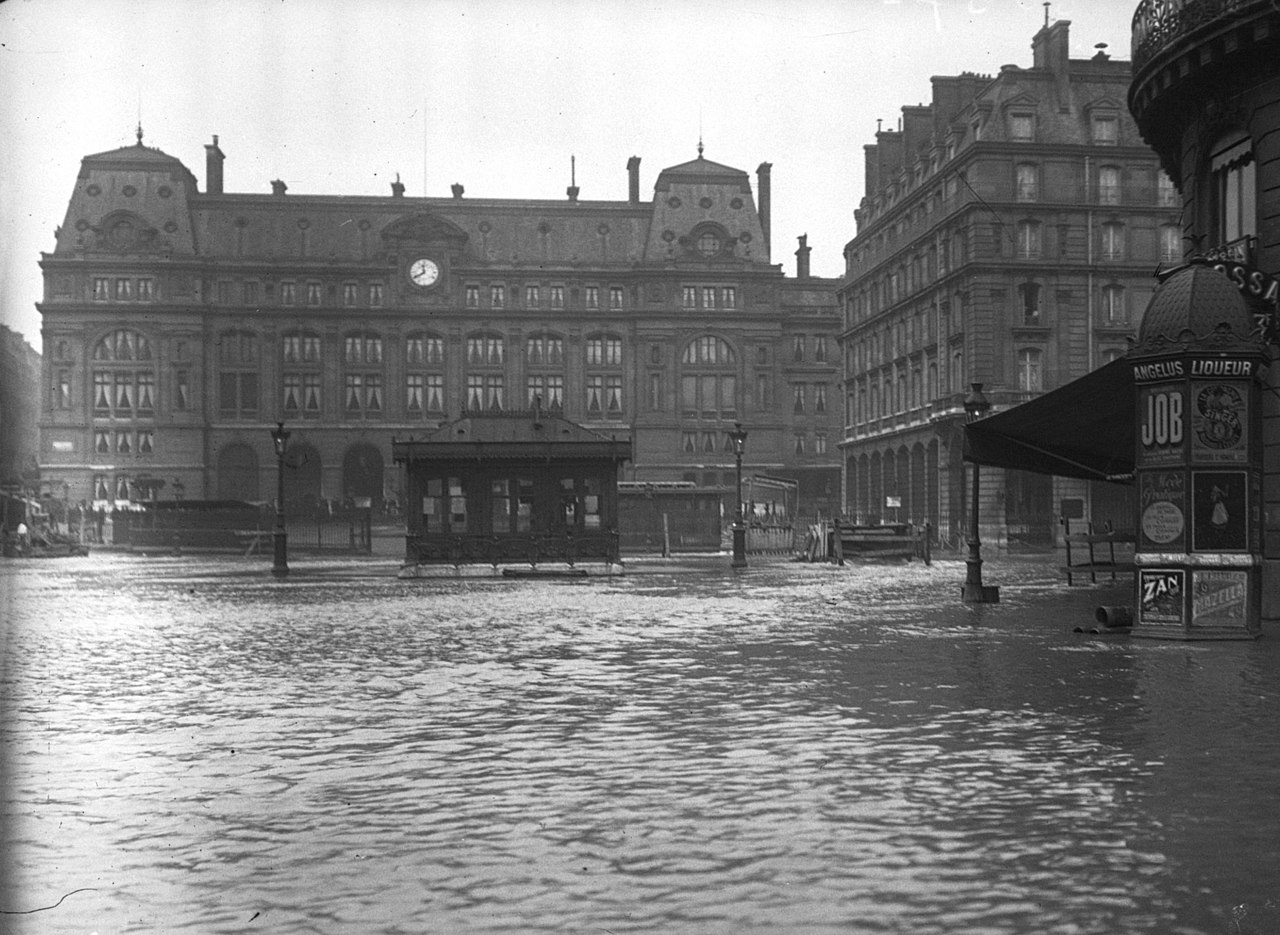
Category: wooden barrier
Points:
column 1093, row 552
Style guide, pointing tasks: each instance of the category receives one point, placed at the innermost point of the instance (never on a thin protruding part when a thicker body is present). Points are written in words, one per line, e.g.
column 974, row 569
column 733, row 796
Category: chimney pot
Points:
column 457, row 189
column 213, row 167
column 278, row 187
column 633, row 180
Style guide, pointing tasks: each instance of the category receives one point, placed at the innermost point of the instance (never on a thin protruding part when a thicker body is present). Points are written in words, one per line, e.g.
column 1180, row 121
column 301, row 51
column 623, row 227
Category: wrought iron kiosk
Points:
column 1198, row 461
column 511, row 491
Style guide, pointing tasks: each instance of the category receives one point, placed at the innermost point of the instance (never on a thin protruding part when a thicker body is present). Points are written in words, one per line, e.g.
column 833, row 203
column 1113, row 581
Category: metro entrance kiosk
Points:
column 1197, row 461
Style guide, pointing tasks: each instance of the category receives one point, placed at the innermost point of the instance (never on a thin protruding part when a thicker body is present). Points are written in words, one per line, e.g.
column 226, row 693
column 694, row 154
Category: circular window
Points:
column 82, row 225
column 364, row 225
column 705, row 202
column 121, row 234
column 129, row 191
column 164, row 191
column 745, row 236
column 674, row 202
column 708, row 243
column 602, row 229
column 668, row 235
column 93, row 189
column 303, row 223
column 170, row 226
column 485, row 227
column 736, row 203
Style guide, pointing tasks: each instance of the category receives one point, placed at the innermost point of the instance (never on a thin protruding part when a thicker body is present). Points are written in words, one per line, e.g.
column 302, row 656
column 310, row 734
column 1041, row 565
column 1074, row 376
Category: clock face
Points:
column 424, row 272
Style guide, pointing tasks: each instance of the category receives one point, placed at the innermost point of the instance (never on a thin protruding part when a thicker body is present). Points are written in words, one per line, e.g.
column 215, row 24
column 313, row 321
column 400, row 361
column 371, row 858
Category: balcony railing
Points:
column 1159, row 23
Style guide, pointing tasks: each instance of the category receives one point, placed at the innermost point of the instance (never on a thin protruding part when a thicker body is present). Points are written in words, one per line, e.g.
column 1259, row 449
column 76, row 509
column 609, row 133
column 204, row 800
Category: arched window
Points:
column 362, row 387
column 239, row 358
column 300, row 362
column 1170, row 243
column 486, row 375
column 709, row 379
column 424, row 374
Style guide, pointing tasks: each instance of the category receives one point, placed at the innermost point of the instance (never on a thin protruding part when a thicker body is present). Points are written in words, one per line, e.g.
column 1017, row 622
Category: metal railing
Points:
column 479, row 549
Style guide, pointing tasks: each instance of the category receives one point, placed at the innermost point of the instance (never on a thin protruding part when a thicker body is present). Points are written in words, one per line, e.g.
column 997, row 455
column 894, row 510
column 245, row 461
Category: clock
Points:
column 424, row 272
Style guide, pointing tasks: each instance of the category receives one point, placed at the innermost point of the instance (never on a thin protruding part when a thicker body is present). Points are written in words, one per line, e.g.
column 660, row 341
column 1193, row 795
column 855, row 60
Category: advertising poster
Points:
column 1160, row 593
column 1220, row 511
column 1220, row 418
column 1162, row 520
column 1219, row 597
column 1162, row 425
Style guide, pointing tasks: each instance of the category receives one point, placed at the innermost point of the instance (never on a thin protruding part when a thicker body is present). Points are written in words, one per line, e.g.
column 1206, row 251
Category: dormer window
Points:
column 1106, row 129
column 1022, row 128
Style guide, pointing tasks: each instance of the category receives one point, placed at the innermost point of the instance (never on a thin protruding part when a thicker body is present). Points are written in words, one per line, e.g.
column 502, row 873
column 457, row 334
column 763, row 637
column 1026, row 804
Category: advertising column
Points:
column 1198, row 481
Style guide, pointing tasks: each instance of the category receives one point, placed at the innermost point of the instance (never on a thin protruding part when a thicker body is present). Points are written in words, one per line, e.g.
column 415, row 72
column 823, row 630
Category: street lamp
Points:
column 738, row 438
column 975, row 592
column 280, row 538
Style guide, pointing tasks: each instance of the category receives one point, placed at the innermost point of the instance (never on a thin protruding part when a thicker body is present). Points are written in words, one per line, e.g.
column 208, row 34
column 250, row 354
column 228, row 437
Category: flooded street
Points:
column 191, row 746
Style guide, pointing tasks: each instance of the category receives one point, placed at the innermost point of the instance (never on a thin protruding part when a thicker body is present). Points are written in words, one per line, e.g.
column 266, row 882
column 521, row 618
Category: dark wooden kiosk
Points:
column 513, row 493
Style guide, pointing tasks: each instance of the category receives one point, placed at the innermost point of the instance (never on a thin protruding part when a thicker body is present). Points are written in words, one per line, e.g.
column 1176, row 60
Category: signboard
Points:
column 1162, row 424
column 1163, row 502
column 1160, row 593
column 893, row 503
column 1219, row 597
column 1220, row 416
column 1220, row 502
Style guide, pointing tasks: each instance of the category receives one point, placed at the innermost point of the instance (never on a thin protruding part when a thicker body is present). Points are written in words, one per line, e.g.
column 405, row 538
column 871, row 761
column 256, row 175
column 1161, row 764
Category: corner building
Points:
column 1206, row 96
column 1008, row 237
column 180, row 325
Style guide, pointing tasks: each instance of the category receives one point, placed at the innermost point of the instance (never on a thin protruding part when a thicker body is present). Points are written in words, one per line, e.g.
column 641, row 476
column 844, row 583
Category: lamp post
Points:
column 280, row 538
column 179, row 488
column 975, row 592
column 738, row 438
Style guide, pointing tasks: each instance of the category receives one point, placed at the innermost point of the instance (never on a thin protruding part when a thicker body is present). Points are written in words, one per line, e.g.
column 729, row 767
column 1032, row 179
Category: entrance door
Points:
column 1028, row 510
column 362, row 476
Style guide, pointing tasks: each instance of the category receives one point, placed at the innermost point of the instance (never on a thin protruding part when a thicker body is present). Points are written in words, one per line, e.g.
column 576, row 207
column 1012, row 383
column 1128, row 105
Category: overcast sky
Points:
column 337, row 96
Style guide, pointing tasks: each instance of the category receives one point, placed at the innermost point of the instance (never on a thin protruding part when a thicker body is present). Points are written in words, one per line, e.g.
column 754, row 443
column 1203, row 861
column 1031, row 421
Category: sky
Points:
column 338, row 96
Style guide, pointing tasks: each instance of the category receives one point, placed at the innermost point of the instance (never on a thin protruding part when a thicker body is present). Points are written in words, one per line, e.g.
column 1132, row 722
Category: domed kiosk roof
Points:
column 1196, row 307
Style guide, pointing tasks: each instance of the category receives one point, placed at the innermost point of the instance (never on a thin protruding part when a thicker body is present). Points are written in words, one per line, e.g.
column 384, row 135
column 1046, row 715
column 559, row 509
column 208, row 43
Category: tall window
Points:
column 238, row 364
column 1028, row 234
column 424, row 375
column 123, row 377
column 1029, row 378
column 1029, row 293
column 1022, row 128
column 1109, row 185
column 1028, row 182
column 1170, row 243
column 486, row 376
column 1113, row 241
column 708, row 379
column 362, row 383
column 1166, row 193
column 544, row 360
column 1114, row 307
column 1234, row 189
column 604, row 376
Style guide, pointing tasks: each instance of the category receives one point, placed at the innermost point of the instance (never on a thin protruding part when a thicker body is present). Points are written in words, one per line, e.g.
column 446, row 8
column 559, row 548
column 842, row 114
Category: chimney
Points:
column 762, row 197
column 457, row 189
column 1049, row 47
column 213, row 167
column 802, row 258
column 278, row 187
column 397, row 187
column 633, row 180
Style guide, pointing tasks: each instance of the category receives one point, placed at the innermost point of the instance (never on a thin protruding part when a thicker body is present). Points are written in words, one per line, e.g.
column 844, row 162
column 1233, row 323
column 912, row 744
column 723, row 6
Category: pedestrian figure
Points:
column 24, row 538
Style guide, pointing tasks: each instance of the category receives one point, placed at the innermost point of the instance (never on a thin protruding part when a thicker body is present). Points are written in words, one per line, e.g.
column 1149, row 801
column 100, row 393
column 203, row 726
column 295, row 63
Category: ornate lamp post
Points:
column 280, row 538
column 738, row 438
column 975, row 592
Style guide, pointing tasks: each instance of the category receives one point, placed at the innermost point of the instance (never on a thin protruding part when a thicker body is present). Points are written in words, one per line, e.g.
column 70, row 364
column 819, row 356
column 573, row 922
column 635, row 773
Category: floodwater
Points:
column 191, row 746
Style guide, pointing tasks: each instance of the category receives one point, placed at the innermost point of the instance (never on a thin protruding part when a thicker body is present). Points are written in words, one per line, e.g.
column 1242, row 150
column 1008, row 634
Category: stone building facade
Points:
column 1206, row 96
column 19, row 411
column 1008, row 237
column 180, row 325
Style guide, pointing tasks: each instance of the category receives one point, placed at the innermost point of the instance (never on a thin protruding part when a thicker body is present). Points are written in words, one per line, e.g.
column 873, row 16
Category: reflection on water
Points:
column 797, row 749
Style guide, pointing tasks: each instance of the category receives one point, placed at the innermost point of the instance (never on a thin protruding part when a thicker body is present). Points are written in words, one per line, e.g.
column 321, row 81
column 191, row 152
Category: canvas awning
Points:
column 1083, row 429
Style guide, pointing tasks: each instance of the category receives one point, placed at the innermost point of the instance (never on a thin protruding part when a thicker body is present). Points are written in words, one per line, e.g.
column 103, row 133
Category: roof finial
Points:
column 699, row 145
column 699, row 131
column 573, row 170
column 139, row 132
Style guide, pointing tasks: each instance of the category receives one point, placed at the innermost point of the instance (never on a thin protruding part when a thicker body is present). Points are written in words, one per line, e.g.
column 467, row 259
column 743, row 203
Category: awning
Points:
column 1083, row 429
